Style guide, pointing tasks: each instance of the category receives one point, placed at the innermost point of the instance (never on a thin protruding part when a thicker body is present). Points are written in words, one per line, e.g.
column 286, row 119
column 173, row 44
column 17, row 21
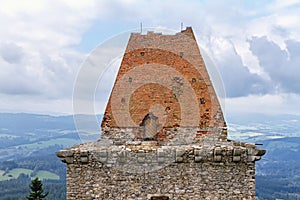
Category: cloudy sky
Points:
column 255, row 44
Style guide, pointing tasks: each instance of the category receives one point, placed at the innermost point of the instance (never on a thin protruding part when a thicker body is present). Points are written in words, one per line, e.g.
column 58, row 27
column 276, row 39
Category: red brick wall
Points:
column 166, row 75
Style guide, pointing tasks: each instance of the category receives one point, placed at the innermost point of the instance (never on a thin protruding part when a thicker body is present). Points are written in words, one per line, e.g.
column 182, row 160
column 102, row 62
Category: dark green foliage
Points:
column 17, row 189
column 274, row 187
column 8, row 165
column 37, row 191
column 50, row 163
column 279, row 170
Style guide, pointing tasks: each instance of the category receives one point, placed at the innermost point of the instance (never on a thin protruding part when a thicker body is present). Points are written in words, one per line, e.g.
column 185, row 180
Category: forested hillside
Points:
column 33, row 154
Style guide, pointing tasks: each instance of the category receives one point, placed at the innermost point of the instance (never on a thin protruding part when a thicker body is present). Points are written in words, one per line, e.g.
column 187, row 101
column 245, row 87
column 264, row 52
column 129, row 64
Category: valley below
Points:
column 28, row 143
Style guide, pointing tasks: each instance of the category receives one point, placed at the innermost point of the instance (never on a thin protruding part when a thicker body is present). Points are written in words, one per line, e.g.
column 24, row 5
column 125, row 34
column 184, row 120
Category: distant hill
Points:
column 23, row 135
column 28, row 143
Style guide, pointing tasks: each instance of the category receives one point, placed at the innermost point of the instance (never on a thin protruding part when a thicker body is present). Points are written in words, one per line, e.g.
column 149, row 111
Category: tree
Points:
column 36, row 190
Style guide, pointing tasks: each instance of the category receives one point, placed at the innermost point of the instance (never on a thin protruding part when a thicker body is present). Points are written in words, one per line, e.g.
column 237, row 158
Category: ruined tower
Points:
column 163, row 132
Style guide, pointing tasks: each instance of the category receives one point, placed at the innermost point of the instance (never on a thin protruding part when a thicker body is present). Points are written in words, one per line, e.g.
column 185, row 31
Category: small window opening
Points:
column 193, row 80
column 150, row 124
column 123, row 100
column 181, row 54
column 142, row 53
column 130, row 80
column 202, row 101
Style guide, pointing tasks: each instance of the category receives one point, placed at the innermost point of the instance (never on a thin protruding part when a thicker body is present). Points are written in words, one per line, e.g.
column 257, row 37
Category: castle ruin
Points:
column 163, row 132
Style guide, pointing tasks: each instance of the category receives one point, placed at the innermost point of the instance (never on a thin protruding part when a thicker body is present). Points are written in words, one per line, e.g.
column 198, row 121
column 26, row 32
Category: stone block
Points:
column 102, row 156
column 160, row 153
column 160, row 156
column 253, row 158
column 84, row 159
column 198, row 158
column 218, row 151
column 84, row 153
column 236, row 158
column 65, row 153
column 197, row 152
column 122, row 156
column 69, row 159
column 102, row 153
column 179, row 159
column 237, row 152
column 180, row 152
column 217, row 158
column 179, row 155
column 260, row 152
column 250, row 151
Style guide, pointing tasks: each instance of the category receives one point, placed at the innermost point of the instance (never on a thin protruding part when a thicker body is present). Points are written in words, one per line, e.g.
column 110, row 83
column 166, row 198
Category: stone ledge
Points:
column 224, row 152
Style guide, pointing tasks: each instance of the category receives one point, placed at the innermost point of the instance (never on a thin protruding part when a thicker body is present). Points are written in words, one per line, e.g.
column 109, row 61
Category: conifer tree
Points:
column 37, row 191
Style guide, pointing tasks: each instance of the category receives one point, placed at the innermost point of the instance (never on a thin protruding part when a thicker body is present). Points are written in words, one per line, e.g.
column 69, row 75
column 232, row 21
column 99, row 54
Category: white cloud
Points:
column 37, row 60
column 39, row 57
column 281, row 65
column 51, row 23
column 285, row 103
column 35, row 104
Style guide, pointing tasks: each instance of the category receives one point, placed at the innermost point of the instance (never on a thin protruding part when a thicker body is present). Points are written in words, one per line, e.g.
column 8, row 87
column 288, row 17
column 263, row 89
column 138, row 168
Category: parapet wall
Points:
column 225, row 170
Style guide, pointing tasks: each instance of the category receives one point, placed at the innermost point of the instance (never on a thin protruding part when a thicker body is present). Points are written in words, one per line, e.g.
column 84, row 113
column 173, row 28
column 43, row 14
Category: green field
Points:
column 43, row 174
column 66, row 142
column 15, row 173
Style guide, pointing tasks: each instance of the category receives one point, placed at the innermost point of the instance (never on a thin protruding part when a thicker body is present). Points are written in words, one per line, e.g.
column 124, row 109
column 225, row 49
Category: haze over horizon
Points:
column 254, row 45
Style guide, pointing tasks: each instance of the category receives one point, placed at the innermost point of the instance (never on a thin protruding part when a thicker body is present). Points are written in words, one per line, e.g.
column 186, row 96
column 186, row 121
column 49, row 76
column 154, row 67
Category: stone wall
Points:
column 171, row 136
column 225, row 170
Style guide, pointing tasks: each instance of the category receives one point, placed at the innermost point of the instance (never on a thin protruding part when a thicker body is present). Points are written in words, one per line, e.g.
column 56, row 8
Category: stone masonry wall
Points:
column 223, row 171
column 178, row 181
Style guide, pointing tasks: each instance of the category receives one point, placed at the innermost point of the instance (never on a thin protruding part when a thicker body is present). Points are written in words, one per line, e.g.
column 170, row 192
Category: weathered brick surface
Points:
column 161, row 54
